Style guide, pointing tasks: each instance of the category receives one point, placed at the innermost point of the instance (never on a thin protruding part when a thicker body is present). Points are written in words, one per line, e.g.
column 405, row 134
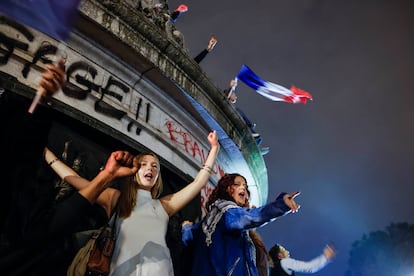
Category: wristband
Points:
column 53, row 161
column 207, row 168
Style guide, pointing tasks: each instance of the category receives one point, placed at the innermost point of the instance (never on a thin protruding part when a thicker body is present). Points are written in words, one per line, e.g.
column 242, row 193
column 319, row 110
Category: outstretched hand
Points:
column 212, row 138
column 121, row 164
column 329, row 251
column 290, row 202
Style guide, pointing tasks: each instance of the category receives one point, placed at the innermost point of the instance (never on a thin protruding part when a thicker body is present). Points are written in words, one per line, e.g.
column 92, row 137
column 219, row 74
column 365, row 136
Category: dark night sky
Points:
column 350, row 151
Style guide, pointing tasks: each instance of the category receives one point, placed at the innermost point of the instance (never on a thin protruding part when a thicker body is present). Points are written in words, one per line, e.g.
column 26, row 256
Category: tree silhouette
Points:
column 389, row 252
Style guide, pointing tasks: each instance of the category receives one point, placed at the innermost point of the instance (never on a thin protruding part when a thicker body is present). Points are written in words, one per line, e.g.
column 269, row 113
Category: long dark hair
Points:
column 221, row 191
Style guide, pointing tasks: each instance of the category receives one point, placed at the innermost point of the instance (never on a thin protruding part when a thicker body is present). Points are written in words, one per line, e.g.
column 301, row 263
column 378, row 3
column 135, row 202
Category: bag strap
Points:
column 112, row 222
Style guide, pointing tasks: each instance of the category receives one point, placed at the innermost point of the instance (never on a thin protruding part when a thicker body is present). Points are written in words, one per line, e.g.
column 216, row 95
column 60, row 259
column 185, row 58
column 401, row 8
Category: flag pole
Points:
column 60, row 57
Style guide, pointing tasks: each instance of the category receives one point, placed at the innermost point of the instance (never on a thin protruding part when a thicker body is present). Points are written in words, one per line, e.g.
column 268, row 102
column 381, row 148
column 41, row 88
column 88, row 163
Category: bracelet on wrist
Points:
column 53, row 161
column 207, row 168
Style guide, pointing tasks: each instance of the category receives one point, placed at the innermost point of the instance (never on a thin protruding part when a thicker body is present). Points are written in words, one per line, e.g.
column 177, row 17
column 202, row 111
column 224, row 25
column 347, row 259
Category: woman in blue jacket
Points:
column 220, row 241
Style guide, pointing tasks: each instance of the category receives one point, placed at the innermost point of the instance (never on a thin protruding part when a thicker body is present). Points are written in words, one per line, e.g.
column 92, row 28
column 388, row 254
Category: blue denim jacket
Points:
column 230, row 250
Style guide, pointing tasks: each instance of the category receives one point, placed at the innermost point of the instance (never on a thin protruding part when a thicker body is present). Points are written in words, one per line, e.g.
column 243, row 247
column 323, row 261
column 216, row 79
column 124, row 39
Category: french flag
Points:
column 178, row 11
column 55, row 18
column 271, row 90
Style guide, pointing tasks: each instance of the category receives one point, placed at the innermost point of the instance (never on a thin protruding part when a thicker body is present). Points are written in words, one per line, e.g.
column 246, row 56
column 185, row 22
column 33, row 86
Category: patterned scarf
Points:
column 217, row 209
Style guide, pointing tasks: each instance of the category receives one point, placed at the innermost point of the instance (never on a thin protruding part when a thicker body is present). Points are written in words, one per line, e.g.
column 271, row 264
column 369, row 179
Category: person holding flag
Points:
column 54, row 18
column 230, row 94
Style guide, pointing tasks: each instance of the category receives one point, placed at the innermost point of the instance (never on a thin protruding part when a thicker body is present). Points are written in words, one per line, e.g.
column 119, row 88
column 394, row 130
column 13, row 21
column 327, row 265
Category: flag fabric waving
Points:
column 55, row 18
column 271, row 90
column 178, row 11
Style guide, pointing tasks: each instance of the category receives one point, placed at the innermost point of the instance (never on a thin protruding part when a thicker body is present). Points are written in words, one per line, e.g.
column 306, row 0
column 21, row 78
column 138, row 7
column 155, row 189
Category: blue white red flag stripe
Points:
column 271, row 90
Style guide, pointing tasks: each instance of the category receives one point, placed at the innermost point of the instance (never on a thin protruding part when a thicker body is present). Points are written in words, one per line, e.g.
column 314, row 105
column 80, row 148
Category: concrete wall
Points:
column 126, row 78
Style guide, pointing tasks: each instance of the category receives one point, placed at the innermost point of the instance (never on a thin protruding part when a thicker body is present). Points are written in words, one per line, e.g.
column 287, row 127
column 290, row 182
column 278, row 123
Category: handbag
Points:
column 94, row 258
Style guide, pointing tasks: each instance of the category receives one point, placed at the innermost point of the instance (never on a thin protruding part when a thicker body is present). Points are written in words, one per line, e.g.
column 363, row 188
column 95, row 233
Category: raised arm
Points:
column 119, row 164
column 208, row 49
column 174, row 202
column 312, row 266
column 248, row 218
column 60, row 168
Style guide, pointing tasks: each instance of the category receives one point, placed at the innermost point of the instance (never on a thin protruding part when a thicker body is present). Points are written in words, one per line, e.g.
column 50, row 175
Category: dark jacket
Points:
column 231, row 250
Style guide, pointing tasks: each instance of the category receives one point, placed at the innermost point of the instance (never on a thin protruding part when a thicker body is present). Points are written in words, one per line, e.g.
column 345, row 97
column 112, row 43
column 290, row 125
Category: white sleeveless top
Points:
column 140, row 248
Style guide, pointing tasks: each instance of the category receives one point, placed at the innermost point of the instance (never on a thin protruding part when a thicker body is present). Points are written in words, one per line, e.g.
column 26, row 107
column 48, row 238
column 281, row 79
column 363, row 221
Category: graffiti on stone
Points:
column 90, row 84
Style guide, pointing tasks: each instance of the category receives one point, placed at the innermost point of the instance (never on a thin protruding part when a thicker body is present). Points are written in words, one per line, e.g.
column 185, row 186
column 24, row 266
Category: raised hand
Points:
column 212, row 138
column 52, row 78
column 121, row 163
column 329, row 251
column 212, row 43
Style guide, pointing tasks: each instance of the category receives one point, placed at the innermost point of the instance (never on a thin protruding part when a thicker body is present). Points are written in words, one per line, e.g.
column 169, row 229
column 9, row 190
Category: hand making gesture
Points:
column 290, row 202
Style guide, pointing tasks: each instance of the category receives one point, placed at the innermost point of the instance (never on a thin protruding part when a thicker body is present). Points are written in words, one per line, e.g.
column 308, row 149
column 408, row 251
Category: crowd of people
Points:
column 223, row 242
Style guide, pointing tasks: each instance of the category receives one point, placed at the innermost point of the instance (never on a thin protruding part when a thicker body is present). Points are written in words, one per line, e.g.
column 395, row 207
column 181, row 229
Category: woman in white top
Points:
column 141, row 248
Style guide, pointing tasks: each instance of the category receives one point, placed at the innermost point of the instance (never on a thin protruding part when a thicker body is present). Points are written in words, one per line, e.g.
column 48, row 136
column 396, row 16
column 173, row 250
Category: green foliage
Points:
column 389, row 252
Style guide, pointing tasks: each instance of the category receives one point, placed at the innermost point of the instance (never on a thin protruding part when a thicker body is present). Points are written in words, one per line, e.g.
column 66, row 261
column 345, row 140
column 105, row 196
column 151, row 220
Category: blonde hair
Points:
column 129, row 189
